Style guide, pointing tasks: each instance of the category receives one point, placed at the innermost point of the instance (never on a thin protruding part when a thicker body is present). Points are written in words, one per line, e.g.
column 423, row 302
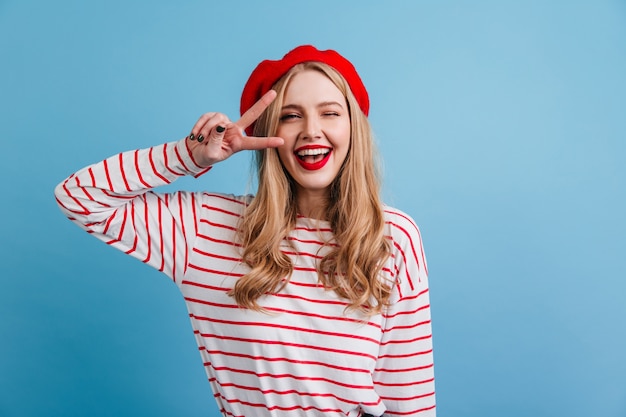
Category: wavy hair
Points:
column 354, row 211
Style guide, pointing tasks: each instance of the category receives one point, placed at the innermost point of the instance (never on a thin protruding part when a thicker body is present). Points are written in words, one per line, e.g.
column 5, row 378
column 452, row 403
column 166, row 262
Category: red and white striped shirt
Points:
column 306, row 355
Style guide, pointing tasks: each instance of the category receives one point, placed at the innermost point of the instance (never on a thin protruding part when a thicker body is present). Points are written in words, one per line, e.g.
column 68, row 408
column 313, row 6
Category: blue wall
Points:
column 502, row 126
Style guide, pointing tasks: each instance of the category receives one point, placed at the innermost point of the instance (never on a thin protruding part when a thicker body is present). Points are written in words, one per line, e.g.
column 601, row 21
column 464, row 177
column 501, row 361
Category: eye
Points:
column 331, row 113
column 289, row 116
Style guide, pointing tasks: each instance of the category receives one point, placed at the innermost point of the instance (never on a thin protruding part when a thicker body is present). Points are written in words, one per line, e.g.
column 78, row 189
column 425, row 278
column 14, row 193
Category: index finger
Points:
column 256, row 110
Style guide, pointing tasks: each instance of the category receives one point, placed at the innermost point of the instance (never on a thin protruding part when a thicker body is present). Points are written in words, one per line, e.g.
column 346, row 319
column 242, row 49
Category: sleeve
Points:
column 113, row 200
column 404, row 374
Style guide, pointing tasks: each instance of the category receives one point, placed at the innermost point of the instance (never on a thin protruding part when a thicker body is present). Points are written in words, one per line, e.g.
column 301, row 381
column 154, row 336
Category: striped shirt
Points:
column 306, row 355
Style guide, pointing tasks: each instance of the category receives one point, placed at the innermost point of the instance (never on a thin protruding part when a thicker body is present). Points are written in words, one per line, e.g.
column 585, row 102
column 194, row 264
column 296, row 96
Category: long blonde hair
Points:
column 352, row 267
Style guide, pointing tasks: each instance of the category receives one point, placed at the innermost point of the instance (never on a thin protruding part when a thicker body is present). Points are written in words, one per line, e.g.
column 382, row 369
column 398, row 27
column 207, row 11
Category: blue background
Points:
column 502, row 126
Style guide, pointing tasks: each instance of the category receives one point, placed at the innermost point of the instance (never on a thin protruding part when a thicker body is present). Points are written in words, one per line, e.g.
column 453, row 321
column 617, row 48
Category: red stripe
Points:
column 148, row 235
column 417, row 261
column 419, row 234
column 399, row 313
column 210, row 303
column 308, row 285
column 272, row 309
column 192, row 158
column 160, row 225
column 225, row 198
column 404, row 341
column 408, row 413
column 314, row 242
column 112, row 194
column 299, row 362
column 107, row 224
column 153, row 166
column 219, row 225
column 205, row 286
column 224, row 242
column 85, row 211
column 166, row 162
column 417, row 368
column 280, row 343
column 174, row 245
column 296, row 329
column 311, row 300
column 404, row 384
column 215, row 271
column 415, row 397
column 122, row 225
column 310, row 229
column 194, row 212
column 220, row 210
column 406, row 269
column 180, row 159
column 303, row 254
column 216, row 256
column 138, row 171
column 303, row 269
column 107, row 174
column 409, row 326
column 181, row 215
column 92, row 176
column 264, row 406
column 60, row 203
column 290, row 376
column 123, row 173
column 298, row 393
column 90, row 197
column 408, row 355
column 134, row 228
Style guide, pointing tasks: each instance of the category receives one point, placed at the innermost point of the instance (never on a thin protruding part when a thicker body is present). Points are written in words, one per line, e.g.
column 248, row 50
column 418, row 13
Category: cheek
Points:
column 345, row 138
column 344, row 132
column 284, row 152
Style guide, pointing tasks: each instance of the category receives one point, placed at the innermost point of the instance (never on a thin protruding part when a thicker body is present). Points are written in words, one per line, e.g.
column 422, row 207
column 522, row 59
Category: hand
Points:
column 215, row 138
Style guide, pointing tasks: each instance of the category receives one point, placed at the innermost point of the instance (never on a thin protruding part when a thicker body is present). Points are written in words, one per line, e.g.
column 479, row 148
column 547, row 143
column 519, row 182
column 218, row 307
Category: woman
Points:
column 310, row 298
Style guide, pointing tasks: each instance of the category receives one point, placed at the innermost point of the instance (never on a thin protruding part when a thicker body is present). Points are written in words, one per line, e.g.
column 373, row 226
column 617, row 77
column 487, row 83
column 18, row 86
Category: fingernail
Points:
column 191, row 136
column 200, row 138
column 220, row 129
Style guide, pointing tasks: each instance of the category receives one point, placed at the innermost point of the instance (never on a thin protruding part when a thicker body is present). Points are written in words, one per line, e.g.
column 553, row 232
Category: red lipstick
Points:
column 312, row 166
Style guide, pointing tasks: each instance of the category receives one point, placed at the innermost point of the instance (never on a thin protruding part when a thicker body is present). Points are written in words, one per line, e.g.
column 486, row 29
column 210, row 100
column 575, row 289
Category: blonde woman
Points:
column 310, row 298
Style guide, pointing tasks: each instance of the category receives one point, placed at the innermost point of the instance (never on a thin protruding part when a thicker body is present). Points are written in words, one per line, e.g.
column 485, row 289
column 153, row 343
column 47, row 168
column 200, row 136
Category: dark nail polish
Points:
column 200, row 138
column 191, row 136
column 220, row 129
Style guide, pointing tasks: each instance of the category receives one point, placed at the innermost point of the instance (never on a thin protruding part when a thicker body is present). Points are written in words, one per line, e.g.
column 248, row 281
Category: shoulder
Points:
column 407, row 252
column 401, row 227
column 224, row 203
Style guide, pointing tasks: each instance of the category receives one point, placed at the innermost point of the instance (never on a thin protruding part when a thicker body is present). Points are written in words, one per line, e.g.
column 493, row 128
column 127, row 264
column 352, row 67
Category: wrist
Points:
column 193, row 166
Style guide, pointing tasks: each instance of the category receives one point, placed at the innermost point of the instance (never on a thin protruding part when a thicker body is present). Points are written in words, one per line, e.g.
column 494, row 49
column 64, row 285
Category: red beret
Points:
column 268, row 72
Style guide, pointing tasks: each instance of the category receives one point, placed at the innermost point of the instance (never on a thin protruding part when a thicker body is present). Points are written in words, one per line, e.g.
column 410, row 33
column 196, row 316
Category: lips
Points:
column 313, row 158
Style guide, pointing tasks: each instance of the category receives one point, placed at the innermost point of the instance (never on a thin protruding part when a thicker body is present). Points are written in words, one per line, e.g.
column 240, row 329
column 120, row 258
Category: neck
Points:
column 312, row 204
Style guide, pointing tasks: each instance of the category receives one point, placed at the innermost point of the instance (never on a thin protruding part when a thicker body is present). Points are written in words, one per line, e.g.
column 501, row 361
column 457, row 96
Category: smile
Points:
column 313, row 158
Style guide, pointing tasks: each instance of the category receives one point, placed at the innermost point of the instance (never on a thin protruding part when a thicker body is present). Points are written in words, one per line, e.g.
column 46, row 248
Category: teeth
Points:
column 311, row 152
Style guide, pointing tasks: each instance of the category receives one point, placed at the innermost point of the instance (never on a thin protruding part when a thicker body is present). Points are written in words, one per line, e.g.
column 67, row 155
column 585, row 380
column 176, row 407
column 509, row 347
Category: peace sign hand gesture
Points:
column 214, row 137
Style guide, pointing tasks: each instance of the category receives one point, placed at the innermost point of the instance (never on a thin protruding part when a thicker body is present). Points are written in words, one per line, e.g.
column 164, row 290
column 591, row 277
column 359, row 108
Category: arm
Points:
column 404, row 376
column 113, row 201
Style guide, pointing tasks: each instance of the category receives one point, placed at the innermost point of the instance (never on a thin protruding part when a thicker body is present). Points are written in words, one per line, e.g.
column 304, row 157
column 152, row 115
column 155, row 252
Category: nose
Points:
column 312, row 128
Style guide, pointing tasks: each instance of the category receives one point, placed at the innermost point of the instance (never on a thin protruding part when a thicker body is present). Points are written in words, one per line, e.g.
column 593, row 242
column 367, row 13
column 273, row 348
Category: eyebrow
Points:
column 322, row 104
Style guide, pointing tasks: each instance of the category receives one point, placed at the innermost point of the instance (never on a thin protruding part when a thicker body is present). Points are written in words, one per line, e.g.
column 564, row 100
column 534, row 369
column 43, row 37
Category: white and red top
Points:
column 306, row 355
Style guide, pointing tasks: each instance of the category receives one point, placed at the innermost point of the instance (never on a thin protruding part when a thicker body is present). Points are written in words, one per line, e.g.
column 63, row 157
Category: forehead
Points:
column 312, row 85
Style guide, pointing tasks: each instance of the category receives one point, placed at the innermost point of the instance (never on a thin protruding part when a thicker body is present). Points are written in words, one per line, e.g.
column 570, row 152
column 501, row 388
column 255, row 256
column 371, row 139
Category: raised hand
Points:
column 214, row 137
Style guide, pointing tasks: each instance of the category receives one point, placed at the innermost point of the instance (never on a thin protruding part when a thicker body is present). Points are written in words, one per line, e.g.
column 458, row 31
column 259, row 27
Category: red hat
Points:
column 268, row 72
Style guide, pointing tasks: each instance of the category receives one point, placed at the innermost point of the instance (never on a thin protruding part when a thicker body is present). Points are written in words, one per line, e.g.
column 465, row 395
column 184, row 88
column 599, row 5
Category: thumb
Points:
column 217, row 134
